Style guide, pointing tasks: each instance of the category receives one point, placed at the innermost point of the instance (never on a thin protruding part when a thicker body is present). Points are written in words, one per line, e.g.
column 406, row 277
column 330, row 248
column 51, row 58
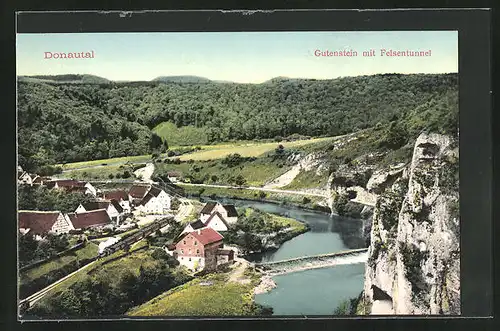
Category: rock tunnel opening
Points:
column 379, row 294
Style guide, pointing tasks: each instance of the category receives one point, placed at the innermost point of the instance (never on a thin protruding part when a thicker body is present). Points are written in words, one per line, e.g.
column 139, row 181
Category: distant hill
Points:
column 70, row 78
column 61, row 122
column 181, row 79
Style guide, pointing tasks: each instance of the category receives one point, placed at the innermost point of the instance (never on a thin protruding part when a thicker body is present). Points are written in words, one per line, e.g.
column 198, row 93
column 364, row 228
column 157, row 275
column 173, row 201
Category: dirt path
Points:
column 237, row 274
column 146, row 172
column 258, row 189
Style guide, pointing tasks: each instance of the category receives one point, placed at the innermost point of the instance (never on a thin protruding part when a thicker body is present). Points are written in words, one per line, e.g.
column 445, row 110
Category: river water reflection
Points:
column 318, row 291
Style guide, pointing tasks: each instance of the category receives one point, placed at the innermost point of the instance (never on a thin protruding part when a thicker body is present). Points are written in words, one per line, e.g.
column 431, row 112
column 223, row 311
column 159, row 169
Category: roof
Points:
column 89, row 218
column 65, row 183
column 205, row 236
column 117, row 195
column 174, row 174
column 198, row 224
column 138, row 191
column 170, row 247
column 39, row 222
column 212, row 217
column 209, row 206
column 152, row 193
column 94, row 205
column 231, row 210
column 75, row 189
column 117, row 205
column 224, row 252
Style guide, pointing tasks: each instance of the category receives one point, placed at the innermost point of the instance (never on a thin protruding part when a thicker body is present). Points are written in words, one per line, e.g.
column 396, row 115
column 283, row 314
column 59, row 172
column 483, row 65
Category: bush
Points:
column 340, row 203
column 306, row 200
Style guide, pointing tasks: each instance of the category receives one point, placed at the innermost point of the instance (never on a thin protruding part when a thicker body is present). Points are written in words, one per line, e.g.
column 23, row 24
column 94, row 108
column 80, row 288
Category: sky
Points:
column 244, row 57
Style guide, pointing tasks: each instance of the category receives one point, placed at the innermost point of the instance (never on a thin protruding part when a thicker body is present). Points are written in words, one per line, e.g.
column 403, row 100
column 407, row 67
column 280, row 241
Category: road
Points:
column 257, row 189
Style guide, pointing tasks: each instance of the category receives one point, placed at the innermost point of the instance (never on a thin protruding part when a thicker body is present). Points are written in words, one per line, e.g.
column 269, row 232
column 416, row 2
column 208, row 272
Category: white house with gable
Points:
column 156, row 201
column 228, row 212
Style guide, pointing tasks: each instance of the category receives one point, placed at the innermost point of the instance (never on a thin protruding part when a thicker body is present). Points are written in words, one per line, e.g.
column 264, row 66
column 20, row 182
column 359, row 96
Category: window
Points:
column 189, row 259
column 184, row 242
column 197, row 251
column 195, row 243
column 182, row 251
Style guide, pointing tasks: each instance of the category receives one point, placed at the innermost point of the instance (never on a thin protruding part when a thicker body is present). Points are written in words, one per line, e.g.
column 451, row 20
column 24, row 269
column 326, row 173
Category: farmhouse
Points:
column 89, row 219
column 25, row 178
column 112, row 207
column 156, row 201
column 71, row 185
column 174, row 176
column 193, row 226
column 197, row 250
column 40, row 223
column 217, row 222
column 121, row 196
column 137, row 193
column 228, row 212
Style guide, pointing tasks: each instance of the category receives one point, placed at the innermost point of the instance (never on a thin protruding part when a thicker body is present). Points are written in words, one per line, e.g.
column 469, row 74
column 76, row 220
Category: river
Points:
column 317, row 291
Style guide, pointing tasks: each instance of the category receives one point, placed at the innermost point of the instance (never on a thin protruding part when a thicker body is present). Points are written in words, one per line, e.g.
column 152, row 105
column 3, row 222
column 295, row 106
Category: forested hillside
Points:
column 74, row 122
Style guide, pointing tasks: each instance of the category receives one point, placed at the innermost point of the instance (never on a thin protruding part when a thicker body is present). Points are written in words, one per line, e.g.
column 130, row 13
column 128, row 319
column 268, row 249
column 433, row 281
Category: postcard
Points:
column 238, row 174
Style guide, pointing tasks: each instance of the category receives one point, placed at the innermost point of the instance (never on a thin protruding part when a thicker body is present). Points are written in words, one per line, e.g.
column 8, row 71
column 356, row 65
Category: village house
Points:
column 196, row 225
column 71, row 185
column 155, row 201
column 197, row 250
column 41, row 180
column 217, row 222
column 40, row 223
column 112, row 207
column 228, row 212
column 26, row 179
column 90, row 219
column 119, row 195
column 174, row 176
column 137, row 193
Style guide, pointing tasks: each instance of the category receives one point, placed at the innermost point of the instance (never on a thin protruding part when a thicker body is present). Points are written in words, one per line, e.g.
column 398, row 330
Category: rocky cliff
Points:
column 414, row 253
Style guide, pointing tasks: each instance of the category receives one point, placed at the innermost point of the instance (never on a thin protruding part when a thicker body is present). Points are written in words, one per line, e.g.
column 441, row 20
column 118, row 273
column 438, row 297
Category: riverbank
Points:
column 311, row 203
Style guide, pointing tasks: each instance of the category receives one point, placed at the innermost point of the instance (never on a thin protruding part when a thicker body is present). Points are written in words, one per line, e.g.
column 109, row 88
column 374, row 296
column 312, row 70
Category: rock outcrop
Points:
column 414, row 254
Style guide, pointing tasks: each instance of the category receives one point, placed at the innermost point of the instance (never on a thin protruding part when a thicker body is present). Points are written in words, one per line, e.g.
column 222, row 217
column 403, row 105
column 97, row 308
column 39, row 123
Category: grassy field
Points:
column 256, row 172
column 221, row 298
column 288, row 222
column 184, row 136
column 89, row 251
column 207, row 152
column 306, row 180
column 245, row 149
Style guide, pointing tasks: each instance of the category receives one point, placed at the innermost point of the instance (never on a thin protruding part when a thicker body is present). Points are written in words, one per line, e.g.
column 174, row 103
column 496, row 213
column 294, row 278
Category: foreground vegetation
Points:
column 211, row 295
column 40, row 276
column 119, row 283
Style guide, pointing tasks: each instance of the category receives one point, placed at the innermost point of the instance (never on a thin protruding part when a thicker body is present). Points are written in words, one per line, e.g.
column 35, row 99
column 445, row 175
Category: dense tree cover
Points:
column 31, row 250
column 43, row 198
column 99, row 295
column 250, row 226
column 73, row 122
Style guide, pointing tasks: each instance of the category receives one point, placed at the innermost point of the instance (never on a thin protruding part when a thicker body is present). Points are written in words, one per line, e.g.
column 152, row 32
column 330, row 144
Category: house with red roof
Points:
column 137, row 193
column 41, row 223
column 199, row 249
column 228, row 212
column 112, row 207
column 90, row 219
column 71, row 185
column 119, row 195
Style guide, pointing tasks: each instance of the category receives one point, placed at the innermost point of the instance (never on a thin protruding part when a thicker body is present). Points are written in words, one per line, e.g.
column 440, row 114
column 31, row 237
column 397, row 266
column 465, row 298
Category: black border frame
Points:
column 475, row 125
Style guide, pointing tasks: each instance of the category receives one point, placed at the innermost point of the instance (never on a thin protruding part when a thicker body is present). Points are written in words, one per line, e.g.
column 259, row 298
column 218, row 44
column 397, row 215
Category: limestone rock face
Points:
column 414, row 253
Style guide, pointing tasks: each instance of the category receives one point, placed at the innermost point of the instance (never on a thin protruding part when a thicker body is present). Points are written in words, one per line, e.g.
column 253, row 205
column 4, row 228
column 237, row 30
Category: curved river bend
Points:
column 317, row 291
